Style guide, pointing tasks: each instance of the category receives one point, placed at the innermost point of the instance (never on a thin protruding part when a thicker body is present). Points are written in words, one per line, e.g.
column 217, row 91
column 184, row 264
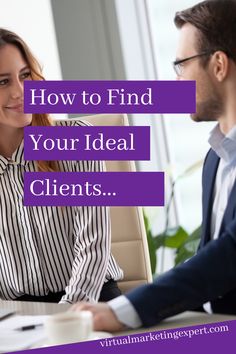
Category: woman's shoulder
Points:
column 71, row 122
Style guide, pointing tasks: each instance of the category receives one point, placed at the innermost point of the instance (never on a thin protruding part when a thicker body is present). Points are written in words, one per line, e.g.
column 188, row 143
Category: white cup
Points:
column 69, row 327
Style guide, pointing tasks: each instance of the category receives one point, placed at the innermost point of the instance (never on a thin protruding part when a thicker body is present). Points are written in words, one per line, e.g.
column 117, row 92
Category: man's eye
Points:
column 4, row 82
column 180, row 67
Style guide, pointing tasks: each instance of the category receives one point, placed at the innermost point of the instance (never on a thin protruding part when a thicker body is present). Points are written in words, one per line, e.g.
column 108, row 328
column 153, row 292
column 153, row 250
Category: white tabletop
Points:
column 182, row 320
column 33, row 308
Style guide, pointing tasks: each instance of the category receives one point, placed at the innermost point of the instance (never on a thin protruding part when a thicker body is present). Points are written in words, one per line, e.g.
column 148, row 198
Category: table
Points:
column 33, row 308
column 182, row 320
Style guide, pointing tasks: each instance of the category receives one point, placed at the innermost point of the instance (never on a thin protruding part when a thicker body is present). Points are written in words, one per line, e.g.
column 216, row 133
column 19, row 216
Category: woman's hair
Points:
column 8, row 37
column 216, row 24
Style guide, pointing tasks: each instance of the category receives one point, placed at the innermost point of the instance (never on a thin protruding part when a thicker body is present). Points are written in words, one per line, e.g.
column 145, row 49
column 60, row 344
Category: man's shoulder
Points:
column 71, row 122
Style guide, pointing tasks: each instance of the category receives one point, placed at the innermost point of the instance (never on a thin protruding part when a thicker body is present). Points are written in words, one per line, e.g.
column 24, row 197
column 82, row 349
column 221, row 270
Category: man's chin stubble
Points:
column 197, row 118
column 207, row 112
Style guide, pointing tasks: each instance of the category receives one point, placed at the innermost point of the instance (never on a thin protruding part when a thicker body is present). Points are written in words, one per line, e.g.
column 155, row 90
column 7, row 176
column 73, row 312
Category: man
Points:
column 206, row 53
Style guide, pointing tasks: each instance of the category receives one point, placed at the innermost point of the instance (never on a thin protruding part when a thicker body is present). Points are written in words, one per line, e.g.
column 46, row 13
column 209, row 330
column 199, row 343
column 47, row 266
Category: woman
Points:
column 50, row 254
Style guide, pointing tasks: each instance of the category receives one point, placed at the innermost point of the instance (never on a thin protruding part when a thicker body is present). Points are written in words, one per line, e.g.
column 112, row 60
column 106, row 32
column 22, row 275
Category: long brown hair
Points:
column 8, row 37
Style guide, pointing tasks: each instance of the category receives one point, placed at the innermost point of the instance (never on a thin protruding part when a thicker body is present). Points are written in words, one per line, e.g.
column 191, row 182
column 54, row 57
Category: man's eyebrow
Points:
column 8, row 74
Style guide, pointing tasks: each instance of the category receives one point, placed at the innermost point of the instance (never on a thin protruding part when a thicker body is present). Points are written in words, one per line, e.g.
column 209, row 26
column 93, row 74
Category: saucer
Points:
column 99, row 335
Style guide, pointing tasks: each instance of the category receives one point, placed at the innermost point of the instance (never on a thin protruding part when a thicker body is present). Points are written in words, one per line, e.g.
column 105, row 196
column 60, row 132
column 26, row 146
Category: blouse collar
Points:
column 16, row 159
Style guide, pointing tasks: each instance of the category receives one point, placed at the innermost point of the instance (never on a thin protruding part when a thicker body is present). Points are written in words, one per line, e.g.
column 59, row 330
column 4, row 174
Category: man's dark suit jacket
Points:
column 208, row 276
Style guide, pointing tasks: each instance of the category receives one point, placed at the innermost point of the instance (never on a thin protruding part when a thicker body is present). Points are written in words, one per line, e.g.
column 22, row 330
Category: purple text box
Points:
column 94, row 188
column 48, row 143
column 109, row 97
column 220, row 337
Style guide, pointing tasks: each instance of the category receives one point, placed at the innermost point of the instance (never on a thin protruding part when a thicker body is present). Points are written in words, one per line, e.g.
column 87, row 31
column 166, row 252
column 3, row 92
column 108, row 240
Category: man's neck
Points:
column 228, row 118
column 225, row 127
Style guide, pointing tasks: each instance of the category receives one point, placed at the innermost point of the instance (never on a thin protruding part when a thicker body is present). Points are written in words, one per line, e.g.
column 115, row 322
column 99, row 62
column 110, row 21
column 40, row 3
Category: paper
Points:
column 13, row 340
column 5, row 313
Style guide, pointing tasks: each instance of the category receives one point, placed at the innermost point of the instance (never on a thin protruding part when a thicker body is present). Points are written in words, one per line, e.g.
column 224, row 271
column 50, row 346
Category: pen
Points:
column 29, row 327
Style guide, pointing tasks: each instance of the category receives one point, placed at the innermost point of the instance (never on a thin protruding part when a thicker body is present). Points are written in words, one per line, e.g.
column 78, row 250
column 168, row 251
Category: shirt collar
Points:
column 224, row 145
column 16, row 159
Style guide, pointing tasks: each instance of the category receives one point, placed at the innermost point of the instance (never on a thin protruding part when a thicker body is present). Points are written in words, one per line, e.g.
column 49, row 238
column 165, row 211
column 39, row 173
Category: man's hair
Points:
column 216, row 23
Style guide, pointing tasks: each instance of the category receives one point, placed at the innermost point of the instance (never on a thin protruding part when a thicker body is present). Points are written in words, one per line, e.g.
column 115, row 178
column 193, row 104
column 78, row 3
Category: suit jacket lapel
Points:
column 229, row 211
column 209, row 175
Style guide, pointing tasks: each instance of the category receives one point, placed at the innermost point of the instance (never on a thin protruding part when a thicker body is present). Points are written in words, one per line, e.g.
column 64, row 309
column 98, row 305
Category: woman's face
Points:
column 13, row 71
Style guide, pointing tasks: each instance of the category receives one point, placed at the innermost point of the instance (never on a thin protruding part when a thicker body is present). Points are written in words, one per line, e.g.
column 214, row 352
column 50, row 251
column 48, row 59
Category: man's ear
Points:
column 220, row 65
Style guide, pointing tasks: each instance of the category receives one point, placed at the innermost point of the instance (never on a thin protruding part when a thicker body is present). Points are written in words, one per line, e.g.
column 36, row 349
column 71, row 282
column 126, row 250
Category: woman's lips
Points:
column 17, row 108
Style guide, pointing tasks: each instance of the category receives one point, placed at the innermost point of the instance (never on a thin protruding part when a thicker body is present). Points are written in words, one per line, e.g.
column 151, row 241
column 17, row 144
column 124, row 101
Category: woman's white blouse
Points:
column 50, row 249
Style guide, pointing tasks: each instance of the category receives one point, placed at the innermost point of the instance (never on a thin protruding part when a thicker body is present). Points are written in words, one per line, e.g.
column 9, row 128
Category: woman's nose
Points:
column 17, row 89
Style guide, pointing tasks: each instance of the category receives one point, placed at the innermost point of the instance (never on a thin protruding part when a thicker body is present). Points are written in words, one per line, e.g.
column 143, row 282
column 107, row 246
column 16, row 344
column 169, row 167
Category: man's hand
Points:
column 103, row 317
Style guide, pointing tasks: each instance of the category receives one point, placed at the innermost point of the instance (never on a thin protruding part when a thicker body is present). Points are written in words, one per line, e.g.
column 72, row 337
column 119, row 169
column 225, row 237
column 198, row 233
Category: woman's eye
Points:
column 25, row 75
column 3, row 82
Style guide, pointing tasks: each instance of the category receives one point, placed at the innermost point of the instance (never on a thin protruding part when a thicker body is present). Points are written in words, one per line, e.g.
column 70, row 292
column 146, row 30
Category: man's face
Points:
column 208, row 100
